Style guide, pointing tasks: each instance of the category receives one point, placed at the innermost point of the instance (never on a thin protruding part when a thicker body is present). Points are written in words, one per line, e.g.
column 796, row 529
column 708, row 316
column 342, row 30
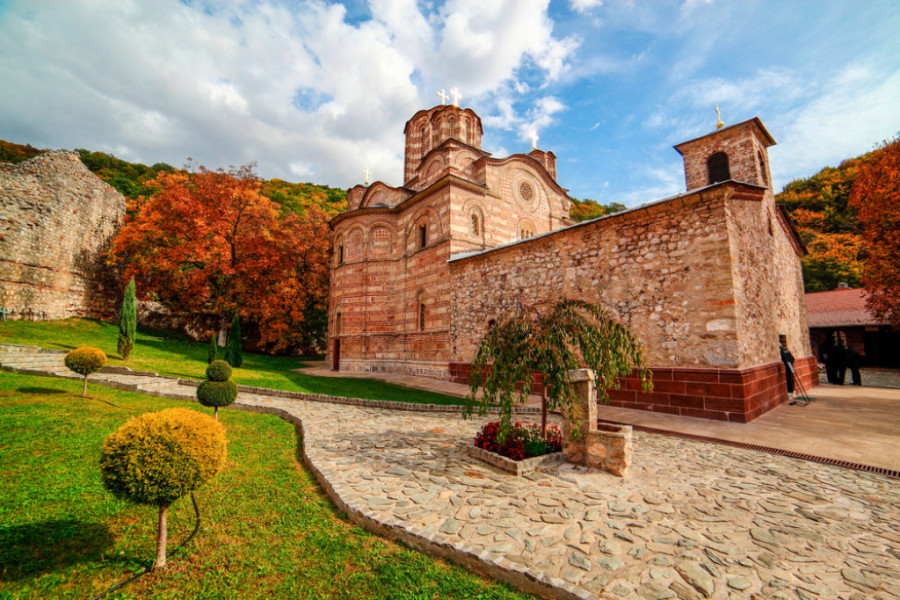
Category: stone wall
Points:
column 56, row 219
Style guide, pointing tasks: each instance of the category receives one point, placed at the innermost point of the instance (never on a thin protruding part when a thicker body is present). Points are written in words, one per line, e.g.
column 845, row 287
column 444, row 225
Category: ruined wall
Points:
column 56, row 217
column 663, row 270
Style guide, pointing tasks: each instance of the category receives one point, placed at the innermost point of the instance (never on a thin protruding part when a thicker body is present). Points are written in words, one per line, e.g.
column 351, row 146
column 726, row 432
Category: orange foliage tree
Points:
column 210, row 242
column 876, row 197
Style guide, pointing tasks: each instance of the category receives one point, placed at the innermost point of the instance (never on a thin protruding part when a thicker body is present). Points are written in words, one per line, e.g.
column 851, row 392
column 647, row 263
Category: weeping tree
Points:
column 551, row 341
column 127, row 322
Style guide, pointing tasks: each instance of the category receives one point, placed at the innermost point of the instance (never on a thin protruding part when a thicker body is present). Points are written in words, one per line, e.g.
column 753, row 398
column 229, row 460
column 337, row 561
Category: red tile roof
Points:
column 839, row 308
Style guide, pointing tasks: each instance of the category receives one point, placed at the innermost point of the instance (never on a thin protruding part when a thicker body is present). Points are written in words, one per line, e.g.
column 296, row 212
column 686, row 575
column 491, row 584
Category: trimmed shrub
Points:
column 218, row 370
column 127, row 322
column 159, row 457
column 216, row 394
column 213, row 349
column 84, row 361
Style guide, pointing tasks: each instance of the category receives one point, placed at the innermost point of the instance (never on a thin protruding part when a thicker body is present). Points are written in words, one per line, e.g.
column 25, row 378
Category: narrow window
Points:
column 421, row 316
column 337, row 324
column 423, row 235
column 341, row 254
column 452, row 126
column 717, row 168
column 762, row 169
column 476, row 225
column 526, row 232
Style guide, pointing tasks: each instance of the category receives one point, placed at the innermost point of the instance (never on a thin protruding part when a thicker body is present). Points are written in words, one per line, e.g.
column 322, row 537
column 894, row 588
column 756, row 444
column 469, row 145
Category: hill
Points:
column 130, row 179
column 828, row 225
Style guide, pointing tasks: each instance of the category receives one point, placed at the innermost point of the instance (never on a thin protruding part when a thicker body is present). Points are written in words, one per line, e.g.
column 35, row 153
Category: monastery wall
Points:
column 56, row 217
column 664, row 271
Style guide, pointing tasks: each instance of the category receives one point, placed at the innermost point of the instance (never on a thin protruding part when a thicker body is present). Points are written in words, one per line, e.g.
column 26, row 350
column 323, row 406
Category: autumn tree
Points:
column 876, row 197
column 210, row 242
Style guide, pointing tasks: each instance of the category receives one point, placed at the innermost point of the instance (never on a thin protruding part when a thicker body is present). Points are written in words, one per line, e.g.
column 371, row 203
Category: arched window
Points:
column 423, row 235
column 476, row 225
column 337, row 324
column 762, row 168
column 420, row 311
column 526, row 231
column 423, row 140
column 717, row 168
column 340, row 254
column 452, row 126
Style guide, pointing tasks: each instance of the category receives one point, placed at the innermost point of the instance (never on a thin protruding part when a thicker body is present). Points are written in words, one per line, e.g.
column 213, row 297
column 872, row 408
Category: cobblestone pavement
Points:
column 693, row 520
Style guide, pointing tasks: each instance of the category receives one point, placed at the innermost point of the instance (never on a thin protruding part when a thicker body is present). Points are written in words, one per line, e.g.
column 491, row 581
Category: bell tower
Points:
column 738, row 152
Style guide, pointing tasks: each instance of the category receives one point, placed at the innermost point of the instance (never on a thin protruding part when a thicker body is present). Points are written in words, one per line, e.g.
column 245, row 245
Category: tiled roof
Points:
column 839, row 308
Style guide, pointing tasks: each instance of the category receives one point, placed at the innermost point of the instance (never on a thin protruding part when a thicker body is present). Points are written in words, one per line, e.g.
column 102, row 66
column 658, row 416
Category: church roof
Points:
column 839, row 308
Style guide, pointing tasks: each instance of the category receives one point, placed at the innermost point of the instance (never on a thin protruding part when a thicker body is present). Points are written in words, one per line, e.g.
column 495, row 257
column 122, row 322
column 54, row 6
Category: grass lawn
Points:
column 267, row 529
column 168, row 353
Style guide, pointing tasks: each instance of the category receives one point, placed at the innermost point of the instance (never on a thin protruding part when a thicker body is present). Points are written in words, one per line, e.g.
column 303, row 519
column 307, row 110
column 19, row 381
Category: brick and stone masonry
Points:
column 707, row 279
column 56, row 218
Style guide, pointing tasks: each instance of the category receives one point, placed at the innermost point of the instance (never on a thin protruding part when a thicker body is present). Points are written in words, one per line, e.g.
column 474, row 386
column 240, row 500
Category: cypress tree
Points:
column 233, row 354
column 127, row 322
column 213, row 348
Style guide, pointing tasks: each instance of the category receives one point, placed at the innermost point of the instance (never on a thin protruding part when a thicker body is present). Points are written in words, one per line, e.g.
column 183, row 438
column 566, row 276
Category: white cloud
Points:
column 296, row 87
column 584, row 6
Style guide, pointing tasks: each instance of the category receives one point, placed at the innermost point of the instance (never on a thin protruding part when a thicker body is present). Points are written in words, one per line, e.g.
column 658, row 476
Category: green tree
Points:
column 157, row 458
column 233, row 355
column 218, row 390
column 213, row 351
column 127, row 322
column 567, row 335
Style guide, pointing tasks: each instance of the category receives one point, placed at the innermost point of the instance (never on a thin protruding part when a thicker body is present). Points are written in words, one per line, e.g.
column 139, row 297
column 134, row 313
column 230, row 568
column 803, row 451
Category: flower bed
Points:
column 522, row 441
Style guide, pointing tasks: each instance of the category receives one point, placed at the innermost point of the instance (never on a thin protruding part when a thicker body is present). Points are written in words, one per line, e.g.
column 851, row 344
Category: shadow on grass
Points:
column 40, row 390
column 28, row 550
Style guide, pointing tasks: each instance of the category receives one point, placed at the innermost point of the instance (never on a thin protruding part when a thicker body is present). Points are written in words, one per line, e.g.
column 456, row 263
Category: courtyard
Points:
column 693, row 520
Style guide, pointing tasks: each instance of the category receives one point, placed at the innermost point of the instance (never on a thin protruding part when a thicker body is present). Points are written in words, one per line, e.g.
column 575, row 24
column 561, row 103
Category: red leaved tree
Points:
column 876, row 197
column 209, row 242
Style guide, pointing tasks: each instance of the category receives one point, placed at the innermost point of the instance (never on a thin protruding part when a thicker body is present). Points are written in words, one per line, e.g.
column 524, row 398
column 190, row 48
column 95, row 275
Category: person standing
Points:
column 840, row 357
column 854, row 359
column 826, row 355
column 788, row 359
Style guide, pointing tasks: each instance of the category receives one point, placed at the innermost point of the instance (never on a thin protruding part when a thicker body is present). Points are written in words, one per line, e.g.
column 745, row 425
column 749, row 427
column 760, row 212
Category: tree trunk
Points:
column 224, row 322
column 161, row 539
column 216, row 413
column 544, row 411
column 84, row 388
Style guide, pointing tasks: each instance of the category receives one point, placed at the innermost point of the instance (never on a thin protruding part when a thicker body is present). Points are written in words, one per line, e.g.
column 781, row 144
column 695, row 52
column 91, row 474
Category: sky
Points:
column 314, row 91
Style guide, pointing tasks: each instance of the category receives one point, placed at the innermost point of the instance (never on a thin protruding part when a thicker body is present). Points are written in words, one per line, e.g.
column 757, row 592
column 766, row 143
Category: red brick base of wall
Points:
column 738, row 395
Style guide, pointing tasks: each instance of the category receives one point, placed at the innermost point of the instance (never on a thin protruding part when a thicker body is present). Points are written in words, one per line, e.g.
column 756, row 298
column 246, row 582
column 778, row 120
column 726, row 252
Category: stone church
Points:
column 708, row 279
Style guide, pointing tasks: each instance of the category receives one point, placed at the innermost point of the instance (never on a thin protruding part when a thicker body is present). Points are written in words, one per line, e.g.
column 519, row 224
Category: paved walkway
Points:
column 694, row 520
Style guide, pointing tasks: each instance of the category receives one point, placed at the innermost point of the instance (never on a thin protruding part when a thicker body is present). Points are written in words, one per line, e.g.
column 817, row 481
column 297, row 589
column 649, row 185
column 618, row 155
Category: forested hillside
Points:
column 587, row 209
column 828, row 225
column 130, row 179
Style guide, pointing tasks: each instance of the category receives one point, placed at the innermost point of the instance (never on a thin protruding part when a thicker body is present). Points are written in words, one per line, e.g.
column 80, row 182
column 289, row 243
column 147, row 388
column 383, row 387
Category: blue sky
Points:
column 316, row 91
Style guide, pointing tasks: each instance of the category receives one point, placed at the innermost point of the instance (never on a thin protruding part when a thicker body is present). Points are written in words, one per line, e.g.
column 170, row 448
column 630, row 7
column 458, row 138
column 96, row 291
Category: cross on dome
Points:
column 456, row 96
column 367, row 173
column 534, row 140
column 443, row 96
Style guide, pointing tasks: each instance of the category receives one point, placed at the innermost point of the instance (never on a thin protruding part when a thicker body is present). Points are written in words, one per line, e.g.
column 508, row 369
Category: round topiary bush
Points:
column 218, row 370
column 216, row 394
column 159, row 457
column 85, row 361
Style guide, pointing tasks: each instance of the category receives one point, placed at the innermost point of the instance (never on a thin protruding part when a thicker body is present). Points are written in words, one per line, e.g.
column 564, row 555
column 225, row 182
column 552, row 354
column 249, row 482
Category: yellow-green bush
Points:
column 86, row 360
column 218, row 370
column 158, row 457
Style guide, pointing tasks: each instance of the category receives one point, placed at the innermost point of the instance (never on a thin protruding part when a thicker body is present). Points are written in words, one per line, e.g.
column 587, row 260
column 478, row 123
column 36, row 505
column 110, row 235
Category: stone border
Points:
column 22, row 349
column 516, row 467
column 365, row 403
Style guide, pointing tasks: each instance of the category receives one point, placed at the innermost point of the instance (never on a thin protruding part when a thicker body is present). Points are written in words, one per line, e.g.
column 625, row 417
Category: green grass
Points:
column 168, row 353
column 267, row 529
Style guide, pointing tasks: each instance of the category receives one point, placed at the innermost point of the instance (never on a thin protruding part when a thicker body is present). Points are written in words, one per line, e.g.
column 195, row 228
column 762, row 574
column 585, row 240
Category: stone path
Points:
column 694, row 520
